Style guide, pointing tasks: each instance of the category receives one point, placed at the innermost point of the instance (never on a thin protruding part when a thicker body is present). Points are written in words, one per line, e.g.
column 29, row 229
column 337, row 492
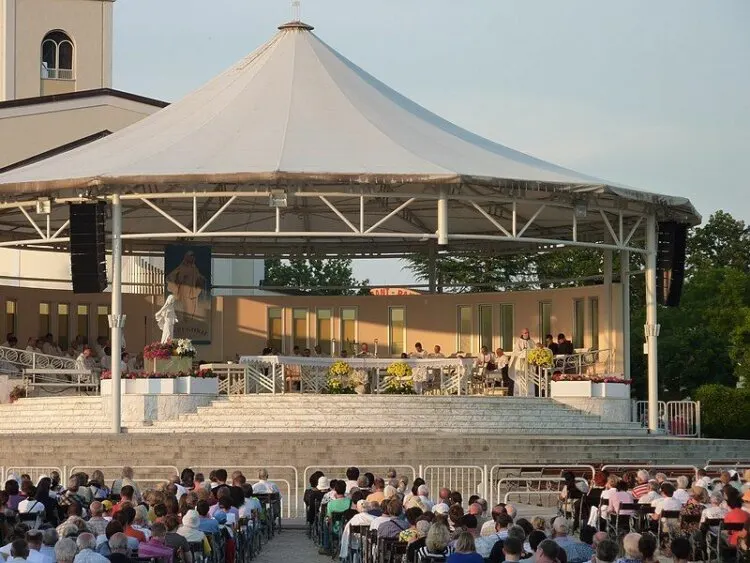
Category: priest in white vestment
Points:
column 517, row 368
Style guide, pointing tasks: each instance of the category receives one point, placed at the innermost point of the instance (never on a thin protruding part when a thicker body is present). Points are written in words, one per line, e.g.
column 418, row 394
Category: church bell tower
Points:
column 52, row 47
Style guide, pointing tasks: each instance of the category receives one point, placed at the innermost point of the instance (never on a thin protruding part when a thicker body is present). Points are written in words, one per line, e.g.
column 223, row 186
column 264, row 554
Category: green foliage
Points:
column 313, row 277
column 725, row 411
column 723, row 242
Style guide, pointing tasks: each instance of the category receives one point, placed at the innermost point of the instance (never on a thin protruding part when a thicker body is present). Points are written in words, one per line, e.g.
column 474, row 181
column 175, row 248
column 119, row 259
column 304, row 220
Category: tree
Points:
column 314, row 277
column 723, row 242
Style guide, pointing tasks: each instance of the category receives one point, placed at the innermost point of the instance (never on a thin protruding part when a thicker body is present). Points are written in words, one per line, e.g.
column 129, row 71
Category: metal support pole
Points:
column 652, row 328
column 442, row 217
column 607, row 266
column 432, row 267
column 116, row 319
column 625, row 284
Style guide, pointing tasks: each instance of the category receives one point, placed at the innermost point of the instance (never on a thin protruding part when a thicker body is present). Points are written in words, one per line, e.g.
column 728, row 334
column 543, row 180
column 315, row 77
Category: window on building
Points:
column 507, row 330
column 485, row 326
column 594, row 322
column 11, row 316
column 545, row 319
column 348, row 332
column 102, row 321
column 579, row 323
column 44, row 319
column 324, row 330
column 465, row 330
column 57, row 56
column 82, row 321
column 63, row 326
column 397, row 330
column 275, row 334
column 299, row 328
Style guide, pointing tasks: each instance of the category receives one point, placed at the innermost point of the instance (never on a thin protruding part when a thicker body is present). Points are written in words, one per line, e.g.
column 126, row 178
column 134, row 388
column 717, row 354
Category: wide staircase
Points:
column 69, row 414
column 404, row 413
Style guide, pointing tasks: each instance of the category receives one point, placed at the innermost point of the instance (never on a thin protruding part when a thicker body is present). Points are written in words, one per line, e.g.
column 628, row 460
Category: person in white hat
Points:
column 189, row 529
column 362, row 518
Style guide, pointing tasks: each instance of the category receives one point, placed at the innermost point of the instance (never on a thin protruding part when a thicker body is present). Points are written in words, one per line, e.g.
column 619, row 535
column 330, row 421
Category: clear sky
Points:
column 653, row 94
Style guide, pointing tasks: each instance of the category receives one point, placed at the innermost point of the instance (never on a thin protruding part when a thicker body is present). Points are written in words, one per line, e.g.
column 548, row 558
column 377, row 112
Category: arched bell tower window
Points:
column 57, row 56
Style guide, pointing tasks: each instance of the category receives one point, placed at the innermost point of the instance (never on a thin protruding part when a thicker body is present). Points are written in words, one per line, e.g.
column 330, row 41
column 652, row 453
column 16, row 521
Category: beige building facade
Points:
column 392, row 324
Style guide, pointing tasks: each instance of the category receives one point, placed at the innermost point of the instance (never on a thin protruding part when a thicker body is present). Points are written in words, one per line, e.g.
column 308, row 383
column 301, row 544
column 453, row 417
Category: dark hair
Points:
column 587, row 534
column 237, row 495
column 504, row 520
column 621, row 485
column 526, row 525
column 314, row 478
column 681, row 548
column 734, row 502
column 340, row 487
column 468, row 521
column 199, row 477
column 160, row 509
column 667, row 489
column 549, row 548
column 187, row 476
column 11, row 487
column 512, row 546
column 113, row 527
column 19, row 549
column 561, row 336
column 394, row 507
column 428, row 516
column 221, row 474
column 413, row 514
column 647, row 546
column 456, row 498
column 357, row 496
column 42, row 489
column 352, row 473
column 473, row 499
column 225, row 503
column 127, row 491
column 75, row 509
column 370, row 478
column 129, row 513
column 171, row 522
column 419, row 481
column 608, row 550
column 202, row 507
column 535, row 538
column 455, row 513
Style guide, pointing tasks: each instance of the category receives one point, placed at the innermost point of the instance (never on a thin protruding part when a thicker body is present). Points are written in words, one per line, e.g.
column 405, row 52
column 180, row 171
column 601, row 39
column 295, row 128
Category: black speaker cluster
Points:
column 88, row 261
column 670, row 263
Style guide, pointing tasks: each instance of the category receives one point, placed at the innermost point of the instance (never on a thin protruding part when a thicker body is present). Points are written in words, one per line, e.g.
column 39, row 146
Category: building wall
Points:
column 30, row 130
column 240, row 324
column 24, row 23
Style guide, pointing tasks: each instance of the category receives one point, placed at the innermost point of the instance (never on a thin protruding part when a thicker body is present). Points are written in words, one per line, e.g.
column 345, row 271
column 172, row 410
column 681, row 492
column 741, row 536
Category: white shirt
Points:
column 648, row 498
column 34, row 555
column 48, row 553
column 90, row 556
column 246, row 510
column 666, row 503
column 263, row 487
column 357, row 520
column 350, row 485
column 681, row 495
column 375, row 524
column 705, row 482
column 29, row 506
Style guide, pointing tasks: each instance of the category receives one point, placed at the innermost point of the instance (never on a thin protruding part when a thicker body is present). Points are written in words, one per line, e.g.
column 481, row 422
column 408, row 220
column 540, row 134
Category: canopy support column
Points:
column 442, row 217
column 432, row 267
column 116, row 319
column 652, row 328
column 607, row 267
column 625, row 284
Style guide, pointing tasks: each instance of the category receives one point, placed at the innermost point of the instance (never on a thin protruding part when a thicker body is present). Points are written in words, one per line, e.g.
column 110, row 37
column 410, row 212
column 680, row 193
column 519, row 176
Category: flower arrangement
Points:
column 541, row 357
column 340, row 379
column 158, row 351
column 182, row 348
column 200, row 373
column 18, row 392
column 399, row 379
column 592, row 378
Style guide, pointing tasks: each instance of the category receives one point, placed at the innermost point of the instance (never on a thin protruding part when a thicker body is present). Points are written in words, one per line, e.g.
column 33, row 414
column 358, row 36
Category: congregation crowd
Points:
column 189, row 519
column 630, row 518
column 95, row 357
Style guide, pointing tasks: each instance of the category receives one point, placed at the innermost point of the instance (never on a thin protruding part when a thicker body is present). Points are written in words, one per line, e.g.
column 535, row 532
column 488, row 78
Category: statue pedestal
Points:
column 175, row 364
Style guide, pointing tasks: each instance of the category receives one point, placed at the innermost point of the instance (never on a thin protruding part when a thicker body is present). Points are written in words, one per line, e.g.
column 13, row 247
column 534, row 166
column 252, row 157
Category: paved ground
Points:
column 291, row 546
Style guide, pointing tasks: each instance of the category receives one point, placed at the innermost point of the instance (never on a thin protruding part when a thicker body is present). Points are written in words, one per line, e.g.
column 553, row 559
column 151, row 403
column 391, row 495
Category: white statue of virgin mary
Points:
column 166, row 318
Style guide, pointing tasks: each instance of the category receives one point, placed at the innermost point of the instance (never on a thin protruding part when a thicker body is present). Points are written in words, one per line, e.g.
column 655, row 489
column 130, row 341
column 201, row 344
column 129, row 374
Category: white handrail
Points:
column 35, row 360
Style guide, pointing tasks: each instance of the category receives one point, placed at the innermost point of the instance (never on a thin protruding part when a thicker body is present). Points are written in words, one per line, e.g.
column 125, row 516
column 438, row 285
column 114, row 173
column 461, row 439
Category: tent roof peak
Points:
column 296, row 24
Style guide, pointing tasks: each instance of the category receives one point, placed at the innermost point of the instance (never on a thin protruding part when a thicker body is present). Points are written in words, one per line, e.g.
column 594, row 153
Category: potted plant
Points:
column 173, row 356
column 399, row 379
column 339, row 379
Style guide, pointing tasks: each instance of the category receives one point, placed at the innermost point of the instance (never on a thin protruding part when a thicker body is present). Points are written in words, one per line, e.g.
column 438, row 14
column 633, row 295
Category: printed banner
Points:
column 188, row 277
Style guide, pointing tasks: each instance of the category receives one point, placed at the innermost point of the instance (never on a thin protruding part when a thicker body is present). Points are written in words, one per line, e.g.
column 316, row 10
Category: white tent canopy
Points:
column 297, row 115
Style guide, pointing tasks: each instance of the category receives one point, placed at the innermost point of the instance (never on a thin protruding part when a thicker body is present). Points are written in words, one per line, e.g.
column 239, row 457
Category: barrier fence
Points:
column 531, row 484
column 676, row 418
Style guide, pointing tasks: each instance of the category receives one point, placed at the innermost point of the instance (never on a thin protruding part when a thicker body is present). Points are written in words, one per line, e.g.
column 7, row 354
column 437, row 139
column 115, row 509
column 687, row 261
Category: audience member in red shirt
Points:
column 735, row 516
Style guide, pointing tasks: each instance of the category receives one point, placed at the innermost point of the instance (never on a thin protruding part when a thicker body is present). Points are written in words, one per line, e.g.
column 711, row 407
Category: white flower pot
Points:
column 197, row 385
column 175, row 364
column 611, row 390
column 570, row 389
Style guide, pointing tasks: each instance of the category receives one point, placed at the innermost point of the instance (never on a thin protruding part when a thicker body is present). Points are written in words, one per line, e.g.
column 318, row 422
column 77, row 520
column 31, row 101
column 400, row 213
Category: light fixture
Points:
column 277, row 198
column 43, row 206
column 581, row 209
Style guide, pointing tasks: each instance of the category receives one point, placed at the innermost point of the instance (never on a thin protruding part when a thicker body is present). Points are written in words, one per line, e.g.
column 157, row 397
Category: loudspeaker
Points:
column 88, row 263
column 670, row 263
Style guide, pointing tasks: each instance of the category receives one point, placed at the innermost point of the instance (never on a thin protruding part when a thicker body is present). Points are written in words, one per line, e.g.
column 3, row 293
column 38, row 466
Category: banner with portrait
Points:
column 187, row 275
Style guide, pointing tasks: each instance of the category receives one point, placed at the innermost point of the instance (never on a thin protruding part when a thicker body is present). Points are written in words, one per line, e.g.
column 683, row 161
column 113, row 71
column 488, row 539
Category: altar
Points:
column 436, row 375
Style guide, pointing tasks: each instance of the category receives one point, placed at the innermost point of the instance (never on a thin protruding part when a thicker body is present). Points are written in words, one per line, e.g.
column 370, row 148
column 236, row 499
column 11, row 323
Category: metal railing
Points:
column 57, row 73
column 516, row 474
column 469, row 479
column 34, row 360
column 671, row 471
column 592, row 362
column 81, row 380
column 676, row 418
column 146, row 474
